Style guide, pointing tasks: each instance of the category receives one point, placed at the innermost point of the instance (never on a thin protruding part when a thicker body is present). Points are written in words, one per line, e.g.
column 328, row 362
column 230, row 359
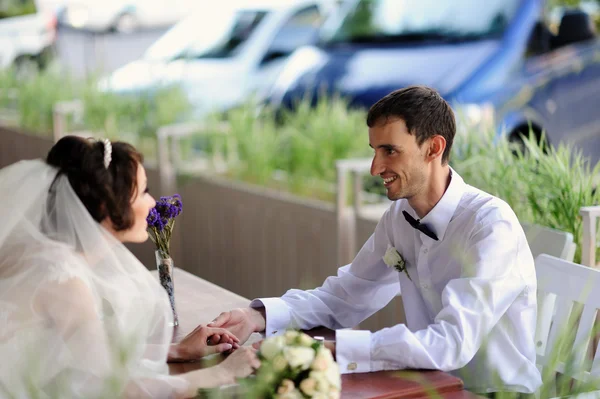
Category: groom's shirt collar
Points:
column 440, row 216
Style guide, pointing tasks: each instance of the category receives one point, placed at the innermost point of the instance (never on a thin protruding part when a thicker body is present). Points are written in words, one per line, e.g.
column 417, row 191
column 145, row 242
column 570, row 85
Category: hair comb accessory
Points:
column 107, row 152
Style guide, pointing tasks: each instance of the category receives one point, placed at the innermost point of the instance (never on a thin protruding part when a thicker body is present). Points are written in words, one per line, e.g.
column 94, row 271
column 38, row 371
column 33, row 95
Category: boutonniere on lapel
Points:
column 392, row 258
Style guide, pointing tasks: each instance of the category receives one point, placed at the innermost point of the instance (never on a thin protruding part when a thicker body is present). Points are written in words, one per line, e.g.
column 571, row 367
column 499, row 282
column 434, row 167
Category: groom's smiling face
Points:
column 398, row 159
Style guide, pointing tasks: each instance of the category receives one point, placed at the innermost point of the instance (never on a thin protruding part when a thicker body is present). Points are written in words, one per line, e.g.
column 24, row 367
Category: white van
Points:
column 220, row 56
column 27, row 36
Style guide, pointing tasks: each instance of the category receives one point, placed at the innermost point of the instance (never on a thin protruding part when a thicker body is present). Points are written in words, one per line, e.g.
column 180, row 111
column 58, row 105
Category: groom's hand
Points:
column 242, row 322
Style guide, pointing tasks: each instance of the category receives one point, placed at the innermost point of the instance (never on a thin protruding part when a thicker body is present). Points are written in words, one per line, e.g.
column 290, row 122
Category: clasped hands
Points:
column 201, row 342
column 224, row 334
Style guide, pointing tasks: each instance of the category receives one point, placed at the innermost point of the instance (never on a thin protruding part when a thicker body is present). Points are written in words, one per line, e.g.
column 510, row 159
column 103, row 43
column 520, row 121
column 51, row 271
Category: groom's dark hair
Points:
column 103, row 191
column 424, row 111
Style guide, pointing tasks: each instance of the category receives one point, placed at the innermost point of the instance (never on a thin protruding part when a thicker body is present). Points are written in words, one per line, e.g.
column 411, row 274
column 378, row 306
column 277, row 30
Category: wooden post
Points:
column 168, row 150
column 60, row 111
column 346, row 216
column 58, row 123
column 340, row 212
column 590, row 214
column 166, row 171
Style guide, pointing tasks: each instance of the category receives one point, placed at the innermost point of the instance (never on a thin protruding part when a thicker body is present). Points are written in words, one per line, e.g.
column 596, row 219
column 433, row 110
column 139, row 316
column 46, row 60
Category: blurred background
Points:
column 254, row 110
column 517, row 64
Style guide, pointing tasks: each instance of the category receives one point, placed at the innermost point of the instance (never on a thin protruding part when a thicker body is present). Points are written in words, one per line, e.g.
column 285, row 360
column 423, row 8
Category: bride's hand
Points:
column 203, row 341
column 240, row 363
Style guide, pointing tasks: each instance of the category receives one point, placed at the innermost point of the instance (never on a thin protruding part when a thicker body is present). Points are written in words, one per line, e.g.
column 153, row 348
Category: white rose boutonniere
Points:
column 392, row 258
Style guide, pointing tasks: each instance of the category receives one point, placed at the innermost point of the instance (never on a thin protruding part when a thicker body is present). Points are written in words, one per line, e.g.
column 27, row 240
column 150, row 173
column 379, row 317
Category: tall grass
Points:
column 107, row 113
column 14, row 8
column 296, row 151
column 314, row 138
column 544, row 185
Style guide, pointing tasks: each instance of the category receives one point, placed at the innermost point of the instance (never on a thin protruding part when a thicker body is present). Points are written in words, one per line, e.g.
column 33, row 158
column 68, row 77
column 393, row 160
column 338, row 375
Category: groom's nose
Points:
column 377, row 167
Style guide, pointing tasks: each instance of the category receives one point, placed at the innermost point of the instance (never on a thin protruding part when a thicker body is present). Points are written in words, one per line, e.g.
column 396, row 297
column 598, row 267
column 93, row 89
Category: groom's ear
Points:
column 436, row 146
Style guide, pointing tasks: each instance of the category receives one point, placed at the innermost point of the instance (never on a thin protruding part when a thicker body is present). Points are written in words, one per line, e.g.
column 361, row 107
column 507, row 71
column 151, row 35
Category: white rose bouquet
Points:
column 296, row 366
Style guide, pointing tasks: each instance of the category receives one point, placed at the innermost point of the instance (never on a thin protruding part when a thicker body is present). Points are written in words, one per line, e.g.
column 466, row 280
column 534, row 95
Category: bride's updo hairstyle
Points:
column 104, row 191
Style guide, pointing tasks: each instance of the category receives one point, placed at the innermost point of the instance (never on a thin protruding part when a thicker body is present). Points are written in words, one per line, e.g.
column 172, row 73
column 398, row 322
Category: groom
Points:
column 468, row 283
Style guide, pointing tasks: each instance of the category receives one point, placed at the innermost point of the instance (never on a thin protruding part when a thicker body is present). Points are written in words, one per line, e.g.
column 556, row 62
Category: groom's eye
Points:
column 389, row 149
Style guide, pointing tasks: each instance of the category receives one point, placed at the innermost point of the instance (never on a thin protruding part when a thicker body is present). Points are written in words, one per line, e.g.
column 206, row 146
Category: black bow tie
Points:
column 417, row 225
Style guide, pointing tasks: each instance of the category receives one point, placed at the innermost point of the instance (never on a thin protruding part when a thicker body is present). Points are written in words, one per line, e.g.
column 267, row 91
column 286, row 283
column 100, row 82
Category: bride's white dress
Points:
column 80, row 316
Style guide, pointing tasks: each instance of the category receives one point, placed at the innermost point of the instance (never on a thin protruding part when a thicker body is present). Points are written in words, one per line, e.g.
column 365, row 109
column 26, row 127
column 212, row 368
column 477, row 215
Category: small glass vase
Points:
column 165, row 267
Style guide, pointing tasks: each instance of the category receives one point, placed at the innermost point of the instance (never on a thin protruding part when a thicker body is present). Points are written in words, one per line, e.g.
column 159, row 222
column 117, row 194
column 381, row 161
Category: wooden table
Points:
column 199, row 301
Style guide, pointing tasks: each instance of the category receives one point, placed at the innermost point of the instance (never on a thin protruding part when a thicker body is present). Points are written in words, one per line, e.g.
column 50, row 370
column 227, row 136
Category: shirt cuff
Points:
column 353, row 351
column 277, row 315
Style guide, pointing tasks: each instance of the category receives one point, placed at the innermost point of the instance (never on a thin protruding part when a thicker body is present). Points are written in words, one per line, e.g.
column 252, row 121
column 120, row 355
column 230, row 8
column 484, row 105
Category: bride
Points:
column 80, row 316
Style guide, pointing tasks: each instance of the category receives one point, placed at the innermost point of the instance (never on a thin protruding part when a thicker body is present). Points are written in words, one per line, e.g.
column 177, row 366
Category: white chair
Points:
column 543, row 240
column 559, row 244
column 564, row 284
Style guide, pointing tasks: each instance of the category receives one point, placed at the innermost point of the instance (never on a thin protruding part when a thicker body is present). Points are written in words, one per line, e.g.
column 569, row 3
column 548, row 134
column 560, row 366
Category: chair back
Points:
column 569, row 295
column 543, row 240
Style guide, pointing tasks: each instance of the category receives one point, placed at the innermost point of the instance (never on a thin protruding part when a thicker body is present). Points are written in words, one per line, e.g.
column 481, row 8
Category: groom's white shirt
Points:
column 470, row 307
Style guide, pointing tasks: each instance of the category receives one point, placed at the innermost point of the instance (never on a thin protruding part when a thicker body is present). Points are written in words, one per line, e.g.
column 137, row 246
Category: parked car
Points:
column 123, row 16
column 27, row 36
column 221, row 56
column 497, row 60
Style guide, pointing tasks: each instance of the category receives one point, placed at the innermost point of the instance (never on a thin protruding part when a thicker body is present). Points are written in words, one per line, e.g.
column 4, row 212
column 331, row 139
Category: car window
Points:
column 298, row 31
column 240, row 29
column 218, row 34
column 563, row 25
column 15, row 8
column 554, row 14
column 391, row 21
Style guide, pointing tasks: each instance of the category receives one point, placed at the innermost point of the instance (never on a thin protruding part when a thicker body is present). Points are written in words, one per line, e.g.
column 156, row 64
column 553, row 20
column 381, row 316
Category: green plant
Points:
column 545, row 186
column 117, row 116
column 14, row 8
column 294, row 151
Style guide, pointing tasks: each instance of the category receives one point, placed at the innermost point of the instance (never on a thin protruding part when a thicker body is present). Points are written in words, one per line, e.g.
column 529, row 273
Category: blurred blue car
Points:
column 511, row 63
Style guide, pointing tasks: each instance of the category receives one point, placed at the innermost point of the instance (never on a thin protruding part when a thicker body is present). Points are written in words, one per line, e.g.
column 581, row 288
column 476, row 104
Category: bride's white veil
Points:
column 80, row 316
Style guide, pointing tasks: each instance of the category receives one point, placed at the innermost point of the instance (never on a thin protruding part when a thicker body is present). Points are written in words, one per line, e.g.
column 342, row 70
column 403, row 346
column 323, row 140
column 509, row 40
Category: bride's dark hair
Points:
column 103, row 191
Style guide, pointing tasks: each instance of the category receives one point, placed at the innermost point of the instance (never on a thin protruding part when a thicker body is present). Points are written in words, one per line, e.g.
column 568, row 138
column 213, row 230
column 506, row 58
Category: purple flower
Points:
column 154, row 220
column 177, row 203
column 152, row 217
column 166, row 209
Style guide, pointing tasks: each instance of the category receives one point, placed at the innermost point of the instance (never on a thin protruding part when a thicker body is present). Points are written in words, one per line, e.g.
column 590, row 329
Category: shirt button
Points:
column 352, row 366
column 424, row 286
column 425, row 250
